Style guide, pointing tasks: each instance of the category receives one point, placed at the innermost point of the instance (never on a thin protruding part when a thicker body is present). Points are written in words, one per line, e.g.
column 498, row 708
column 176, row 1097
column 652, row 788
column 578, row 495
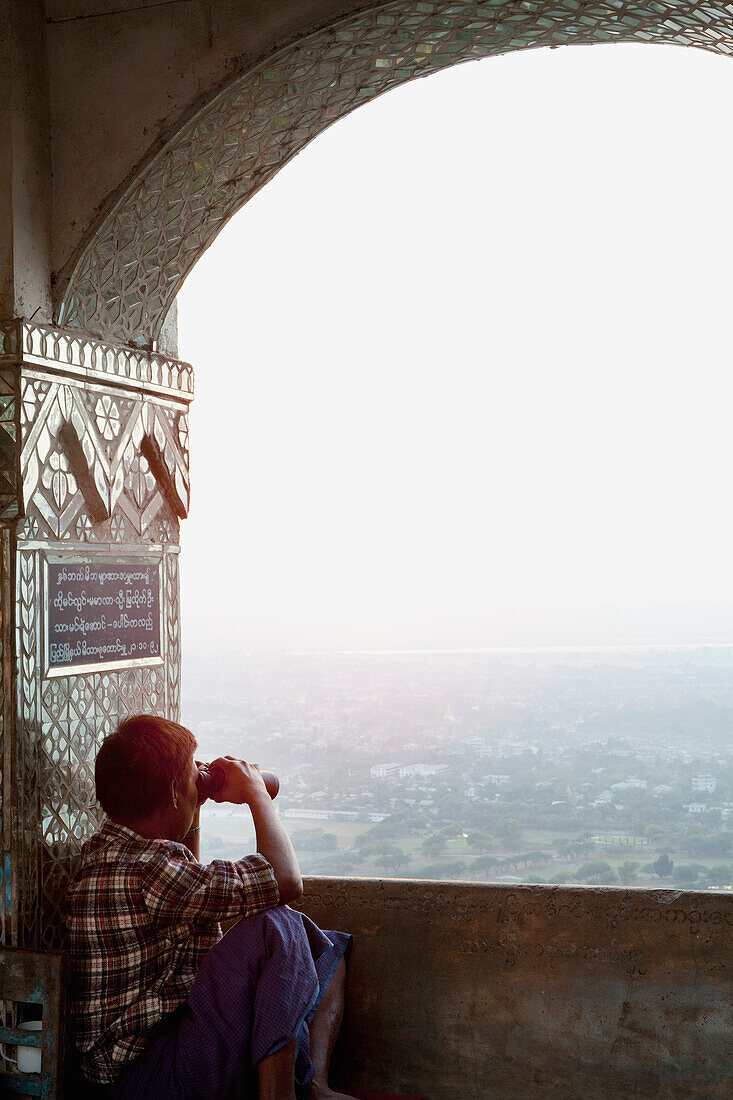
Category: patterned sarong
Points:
column 257, row 989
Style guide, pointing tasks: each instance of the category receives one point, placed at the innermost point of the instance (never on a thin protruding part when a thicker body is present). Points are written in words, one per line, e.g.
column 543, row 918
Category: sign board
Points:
column 102, row 611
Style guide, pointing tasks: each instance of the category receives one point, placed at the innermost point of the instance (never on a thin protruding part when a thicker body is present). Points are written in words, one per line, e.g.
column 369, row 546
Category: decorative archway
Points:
column 130, row 270
column 94, row 433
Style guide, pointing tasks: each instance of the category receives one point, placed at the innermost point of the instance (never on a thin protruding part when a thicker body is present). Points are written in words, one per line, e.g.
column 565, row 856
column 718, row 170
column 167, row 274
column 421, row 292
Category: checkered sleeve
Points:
column 177, row 888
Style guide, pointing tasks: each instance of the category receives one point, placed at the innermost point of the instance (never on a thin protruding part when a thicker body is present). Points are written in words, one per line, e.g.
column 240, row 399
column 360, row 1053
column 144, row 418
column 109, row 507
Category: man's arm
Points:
column 191, row 839
column 243, row 783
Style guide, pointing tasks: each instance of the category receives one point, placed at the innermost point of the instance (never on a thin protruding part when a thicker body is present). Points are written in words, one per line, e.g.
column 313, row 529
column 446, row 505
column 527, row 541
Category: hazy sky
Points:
column 472, row 347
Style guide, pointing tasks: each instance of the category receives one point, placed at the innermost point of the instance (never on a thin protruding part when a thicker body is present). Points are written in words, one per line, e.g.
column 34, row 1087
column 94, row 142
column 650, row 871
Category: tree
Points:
column 717, row 845
column 535, row 857
column 595, row 873
column 509, row 830
column 693, row 840
column 391, row 858
column 454, row 869
column 482, row 842
column 571, row 849
column 722, row 875
column 485, row 863
column 688, row 873
column 581, row 846
column 432, row 870
column 627, row 871
column 434, row 845
column 662, row 867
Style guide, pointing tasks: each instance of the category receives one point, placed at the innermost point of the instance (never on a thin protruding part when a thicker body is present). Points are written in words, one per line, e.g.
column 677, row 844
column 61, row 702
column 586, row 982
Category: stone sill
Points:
column 476, row 991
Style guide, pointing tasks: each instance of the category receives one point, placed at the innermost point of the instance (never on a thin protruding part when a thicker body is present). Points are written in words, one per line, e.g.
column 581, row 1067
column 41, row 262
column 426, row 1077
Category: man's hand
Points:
column 243, row 782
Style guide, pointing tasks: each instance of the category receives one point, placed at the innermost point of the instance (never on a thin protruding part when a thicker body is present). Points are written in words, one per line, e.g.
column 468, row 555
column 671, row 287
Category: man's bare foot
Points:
column 319, row 1091
column 323, row 1031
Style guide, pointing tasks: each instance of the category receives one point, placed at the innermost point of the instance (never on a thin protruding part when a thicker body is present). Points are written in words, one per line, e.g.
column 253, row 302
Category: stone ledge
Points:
column 471, row 991
column 82, row 356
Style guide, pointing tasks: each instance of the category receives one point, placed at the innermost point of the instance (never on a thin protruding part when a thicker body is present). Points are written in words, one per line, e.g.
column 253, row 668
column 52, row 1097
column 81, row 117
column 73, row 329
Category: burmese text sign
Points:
column 102, row 611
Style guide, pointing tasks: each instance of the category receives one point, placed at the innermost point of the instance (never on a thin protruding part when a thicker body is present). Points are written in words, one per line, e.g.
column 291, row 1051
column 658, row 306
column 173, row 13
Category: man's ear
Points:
column 174, row 794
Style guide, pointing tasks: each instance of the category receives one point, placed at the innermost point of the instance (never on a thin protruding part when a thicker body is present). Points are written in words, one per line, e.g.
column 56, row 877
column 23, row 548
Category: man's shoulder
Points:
column 114, row 850
column 114, row 840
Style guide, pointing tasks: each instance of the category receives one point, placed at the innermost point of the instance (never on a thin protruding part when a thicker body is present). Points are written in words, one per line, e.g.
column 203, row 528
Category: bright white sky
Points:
column 472, row 347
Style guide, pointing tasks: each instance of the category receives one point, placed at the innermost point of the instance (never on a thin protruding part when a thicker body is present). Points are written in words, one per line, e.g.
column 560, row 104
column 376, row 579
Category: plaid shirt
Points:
column 141, row 916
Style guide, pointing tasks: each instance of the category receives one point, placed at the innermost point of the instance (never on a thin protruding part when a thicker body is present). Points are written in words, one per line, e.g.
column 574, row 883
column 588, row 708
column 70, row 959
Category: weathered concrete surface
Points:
column 123, row 76
column 25, row 164
column 463, row 991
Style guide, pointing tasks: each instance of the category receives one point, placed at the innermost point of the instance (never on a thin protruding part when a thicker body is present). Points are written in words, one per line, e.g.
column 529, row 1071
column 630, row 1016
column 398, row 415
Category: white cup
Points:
column 29, row 1058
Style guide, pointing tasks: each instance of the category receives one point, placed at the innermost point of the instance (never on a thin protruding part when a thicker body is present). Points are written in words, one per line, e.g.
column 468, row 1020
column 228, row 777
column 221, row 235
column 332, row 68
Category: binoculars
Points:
column 210, row 780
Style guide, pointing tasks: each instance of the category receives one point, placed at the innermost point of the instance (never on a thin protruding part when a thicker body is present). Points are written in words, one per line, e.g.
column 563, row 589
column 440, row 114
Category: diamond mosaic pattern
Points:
column 174, row 631
column 8, row 445
column 7, row 812
column 76, row 713
column 23, row 844
column 132, row 269
column 110, row 432
column 22, row 340
column 58, row 722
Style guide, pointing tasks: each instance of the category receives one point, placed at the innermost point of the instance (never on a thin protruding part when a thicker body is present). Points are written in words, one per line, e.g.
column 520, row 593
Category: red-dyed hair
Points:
column 137, row 764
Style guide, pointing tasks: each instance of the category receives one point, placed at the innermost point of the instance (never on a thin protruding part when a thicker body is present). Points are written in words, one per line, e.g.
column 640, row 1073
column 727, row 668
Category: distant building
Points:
column 310, row 815
column 703, row 783
column 697, row 808
column 381, row 771
column 617, row 839
column 422, row 770
column 479, row 745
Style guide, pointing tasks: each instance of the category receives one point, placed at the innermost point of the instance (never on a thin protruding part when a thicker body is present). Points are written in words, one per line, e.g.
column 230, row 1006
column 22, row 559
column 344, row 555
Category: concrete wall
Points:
column 464, row 991
column 25, row 166
column 90, row 93
column 123, row 77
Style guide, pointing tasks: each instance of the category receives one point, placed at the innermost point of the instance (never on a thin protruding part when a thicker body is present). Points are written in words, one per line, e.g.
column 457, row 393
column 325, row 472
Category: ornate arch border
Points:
column 131, row 269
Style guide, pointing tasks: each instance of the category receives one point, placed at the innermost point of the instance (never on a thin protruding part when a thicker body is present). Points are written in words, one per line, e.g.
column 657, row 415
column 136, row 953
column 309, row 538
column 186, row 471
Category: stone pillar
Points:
column 93, row 485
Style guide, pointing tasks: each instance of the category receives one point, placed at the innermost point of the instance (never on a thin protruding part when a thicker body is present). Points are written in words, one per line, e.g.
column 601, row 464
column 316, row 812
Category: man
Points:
column 163, row 1007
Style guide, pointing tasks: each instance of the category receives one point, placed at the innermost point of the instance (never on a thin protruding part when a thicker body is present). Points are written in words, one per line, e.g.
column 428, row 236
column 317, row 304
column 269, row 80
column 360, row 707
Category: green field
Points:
column 232, row 835
column 221, row 835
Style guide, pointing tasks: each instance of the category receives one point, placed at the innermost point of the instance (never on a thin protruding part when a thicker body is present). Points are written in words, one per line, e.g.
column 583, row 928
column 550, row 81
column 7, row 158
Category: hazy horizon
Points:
column 521, row 629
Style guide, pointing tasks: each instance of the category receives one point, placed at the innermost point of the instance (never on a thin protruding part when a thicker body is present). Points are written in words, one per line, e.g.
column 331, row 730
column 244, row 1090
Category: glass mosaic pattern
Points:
column 110, row 430
column 76, row 712
column 131, row 270
column 97, row 495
